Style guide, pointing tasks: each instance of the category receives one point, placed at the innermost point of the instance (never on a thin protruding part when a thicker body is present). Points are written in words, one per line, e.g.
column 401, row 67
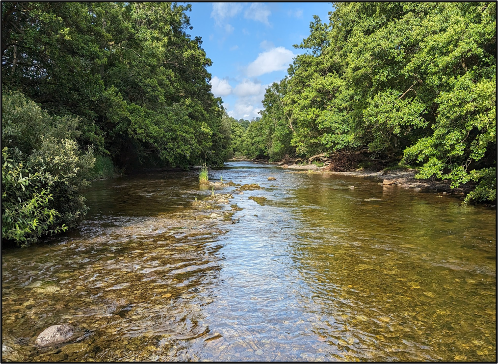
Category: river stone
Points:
column 54, row 334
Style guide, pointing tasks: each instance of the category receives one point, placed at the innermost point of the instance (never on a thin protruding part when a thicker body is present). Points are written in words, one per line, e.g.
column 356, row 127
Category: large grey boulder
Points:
column 55, row 334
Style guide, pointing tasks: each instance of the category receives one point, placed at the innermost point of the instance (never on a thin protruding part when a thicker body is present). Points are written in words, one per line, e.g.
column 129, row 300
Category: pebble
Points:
column 54, row 334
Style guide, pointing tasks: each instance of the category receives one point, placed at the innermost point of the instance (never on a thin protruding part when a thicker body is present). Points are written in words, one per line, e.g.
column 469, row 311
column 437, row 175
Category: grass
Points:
column 398, row 167
column 203, row 175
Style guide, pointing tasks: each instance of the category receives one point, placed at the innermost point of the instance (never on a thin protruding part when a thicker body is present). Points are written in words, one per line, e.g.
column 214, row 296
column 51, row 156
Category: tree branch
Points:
column 407, row 91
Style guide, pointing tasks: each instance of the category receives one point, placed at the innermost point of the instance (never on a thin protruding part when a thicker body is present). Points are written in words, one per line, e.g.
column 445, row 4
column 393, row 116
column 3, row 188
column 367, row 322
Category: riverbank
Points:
column 403, row 178
column 388, row 177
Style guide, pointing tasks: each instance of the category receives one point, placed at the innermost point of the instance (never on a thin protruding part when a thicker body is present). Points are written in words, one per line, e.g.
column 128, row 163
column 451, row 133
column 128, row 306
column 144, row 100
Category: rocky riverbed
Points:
column 281, row 265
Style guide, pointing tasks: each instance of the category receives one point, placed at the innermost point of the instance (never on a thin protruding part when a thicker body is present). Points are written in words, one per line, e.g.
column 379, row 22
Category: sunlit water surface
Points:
column 304, row 269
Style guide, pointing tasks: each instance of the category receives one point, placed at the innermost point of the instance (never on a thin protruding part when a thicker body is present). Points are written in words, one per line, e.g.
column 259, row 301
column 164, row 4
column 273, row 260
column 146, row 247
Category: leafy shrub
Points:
column 103, row 168
column 26, row 210
column 486, row 186
column 43, row 170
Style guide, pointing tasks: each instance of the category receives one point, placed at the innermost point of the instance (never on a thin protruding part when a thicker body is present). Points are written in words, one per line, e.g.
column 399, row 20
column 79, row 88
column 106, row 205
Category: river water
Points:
column 306, row 268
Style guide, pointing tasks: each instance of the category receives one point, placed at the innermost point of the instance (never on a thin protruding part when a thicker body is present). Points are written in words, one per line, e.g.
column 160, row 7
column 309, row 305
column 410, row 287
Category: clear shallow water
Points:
column 304, row 269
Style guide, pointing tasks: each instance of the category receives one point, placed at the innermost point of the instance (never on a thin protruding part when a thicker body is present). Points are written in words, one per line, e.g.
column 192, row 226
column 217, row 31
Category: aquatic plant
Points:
column 203, row 175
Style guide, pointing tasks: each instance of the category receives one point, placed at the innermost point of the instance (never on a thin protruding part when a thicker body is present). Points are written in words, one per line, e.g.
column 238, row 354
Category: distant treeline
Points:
column 411, row 83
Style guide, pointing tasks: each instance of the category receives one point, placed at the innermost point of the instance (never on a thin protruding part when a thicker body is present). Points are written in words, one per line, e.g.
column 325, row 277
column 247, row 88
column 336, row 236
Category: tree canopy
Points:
column 409, row 82
column 91, row 85
column 131, row 71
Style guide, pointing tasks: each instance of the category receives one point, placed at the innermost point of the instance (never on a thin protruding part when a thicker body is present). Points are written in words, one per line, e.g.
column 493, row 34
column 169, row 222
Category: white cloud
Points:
column 229, row 28
column 266, row 45
column 245, row 31
column 220, row 87
column 249, row 102
column 248, row 88
column 259, row 12
column 222, row 11
column 245, row 111
column 276, row 59
column 298, row 13
column 235, row 47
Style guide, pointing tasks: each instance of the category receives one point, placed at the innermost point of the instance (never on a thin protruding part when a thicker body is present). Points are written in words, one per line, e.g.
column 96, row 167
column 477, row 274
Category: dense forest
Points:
column 410, row 84
column 89, row 89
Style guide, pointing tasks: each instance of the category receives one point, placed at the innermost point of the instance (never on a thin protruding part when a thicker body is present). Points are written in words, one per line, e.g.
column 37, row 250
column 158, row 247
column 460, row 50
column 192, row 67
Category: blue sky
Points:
column 250, row 45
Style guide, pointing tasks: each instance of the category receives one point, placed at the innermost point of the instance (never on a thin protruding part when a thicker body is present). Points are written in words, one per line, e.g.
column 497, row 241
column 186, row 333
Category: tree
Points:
column 276, row 125
column 130, row 71
column 407, row 82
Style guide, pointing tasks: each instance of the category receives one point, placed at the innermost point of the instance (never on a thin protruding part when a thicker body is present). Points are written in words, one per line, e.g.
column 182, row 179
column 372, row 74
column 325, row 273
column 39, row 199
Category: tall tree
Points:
column 130, row 70
column 409, row 82
column 277, row 125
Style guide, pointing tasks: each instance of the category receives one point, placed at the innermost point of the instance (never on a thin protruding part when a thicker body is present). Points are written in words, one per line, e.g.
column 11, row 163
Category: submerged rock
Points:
column 258, row 199
column 55, row 334
column 13, row 353
column 247, row 187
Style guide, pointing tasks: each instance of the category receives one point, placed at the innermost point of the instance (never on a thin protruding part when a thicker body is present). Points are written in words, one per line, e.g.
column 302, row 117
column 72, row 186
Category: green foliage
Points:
column 276, row 126
column 254, row 140
column 486, row 185
column 318, row 164
column 26, row 210
column 43, row 170
column 237, row 132
column 130, row 71
column 411, row 83
column 103, row 168
column 204, row 175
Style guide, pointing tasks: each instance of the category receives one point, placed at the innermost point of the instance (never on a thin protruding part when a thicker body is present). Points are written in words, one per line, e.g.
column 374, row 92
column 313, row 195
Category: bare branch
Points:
column 409, row 89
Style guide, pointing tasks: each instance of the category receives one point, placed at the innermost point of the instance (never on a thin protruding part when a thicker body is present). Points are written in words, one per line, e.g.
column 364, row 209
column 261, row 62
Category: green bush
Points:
column 43, row 170
column 485, row 190
column 103, row 168
column 26, row 210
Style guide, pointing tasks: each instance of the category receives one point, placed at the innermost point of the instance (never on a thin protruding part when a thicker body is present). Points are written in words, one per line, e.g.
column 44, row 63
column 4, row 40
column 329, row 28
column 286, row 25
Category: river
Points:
column 306, row 268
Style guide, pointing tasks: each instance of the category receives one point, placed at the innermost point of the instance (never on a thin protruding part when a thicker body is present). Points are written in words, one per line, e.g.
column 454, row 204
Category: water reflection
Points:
column 396, row 282
column 307, row 268
column 135, row 285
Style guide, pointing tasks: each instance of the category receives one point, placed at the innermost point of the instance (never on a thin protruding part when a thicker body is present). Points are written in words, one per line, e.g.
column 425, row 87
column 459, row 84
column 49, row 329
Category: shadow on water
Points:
column 303, row 268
